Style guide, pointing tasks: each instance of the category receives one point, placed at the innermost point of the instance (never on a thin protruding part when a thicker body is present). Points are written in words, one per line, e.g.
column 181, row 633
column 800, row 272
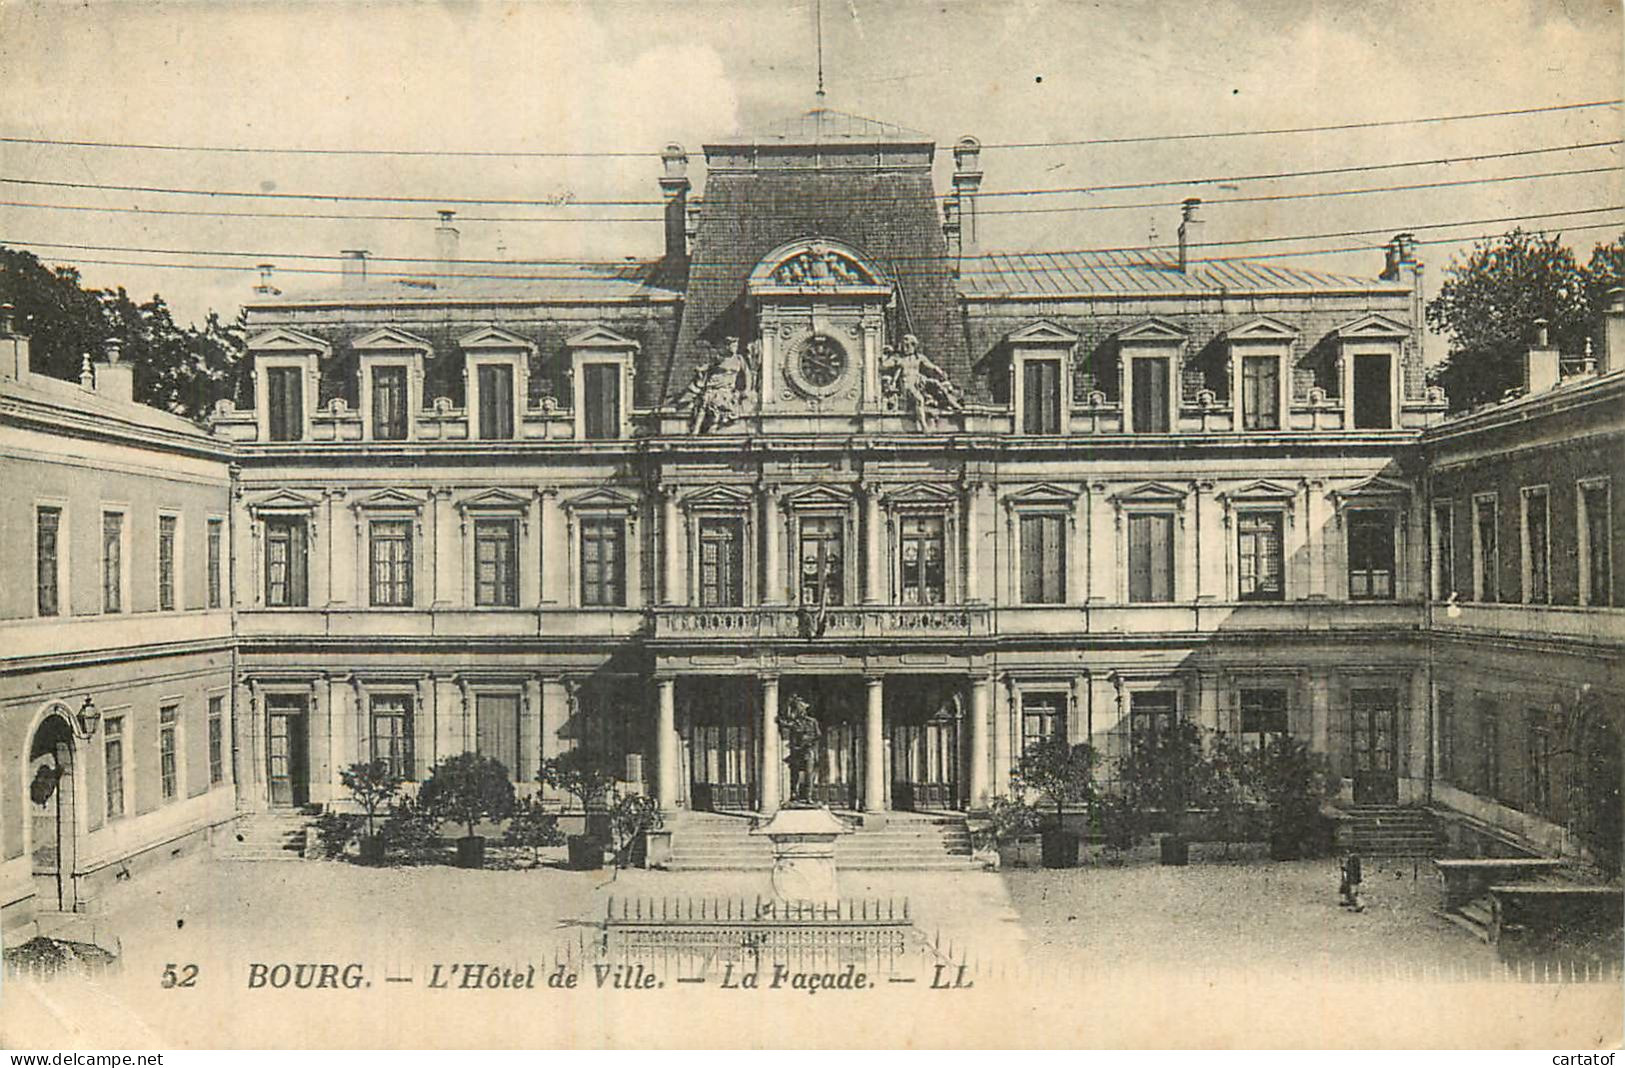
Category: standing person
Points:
column 1350, row 887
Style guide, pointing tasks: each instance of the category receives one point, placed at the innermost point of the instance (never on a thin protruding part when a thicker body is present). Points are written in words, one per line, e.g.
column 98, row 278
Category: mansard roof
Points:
column 826, row 126
column 1152, row 272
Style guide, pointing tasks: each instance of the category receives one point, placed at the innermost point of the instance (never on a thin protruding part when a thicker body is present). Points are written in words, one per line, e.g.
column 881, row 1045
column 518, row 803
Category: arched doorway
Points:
column 51, row 812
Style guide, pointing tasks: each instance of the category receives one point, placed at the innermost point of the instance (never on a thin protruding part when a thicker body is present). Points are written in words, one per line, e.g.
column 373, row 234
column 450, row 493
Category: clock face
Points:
column 822, row 362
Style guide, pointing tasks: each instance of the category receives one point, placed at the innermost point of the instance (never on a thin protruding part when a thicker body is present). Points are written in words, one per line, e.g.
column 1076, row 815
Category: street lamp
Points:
column 87, row 717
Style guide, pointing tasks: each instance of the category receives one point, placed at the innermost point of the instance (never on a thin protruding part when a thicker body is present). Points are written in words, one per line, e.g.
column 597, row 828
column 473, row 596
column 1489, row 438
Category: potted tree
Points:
column 1065, row 775
column 1293, row 781
column 587, row 779
column 468, row 789
column 532, row 827
column 1167, row 771
column 632, row 817
column 1013, row 826
column 373, row 785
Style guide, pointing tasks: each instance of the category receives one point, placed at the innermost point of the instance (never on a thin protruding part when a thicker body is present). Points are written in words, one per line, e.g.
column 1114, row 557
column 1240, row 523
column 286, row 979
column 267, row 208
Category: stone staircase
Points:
column 1389, row 831
column 275, row 835
column 1475, row 917
column 703, row 841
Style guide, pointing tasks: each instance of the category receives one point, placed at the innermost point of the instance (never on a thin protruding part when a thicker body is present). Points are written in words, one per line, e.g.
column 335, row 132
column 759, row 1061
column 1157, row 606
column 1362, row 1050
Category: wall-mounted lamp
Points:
column 87, row 718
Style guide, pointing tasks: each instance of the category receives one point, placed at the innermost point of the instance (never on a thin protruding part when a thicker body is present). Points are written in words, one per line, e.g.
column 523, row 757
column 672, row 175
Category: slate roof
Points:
column 632, row 280
column 826, row 126
column 1151, row 273
column 44, row 390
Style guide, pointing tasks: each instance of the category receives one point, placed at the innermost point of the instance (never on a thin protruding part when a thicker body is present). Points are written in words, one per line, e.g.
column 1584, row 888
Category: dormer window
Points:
column 601, row 365
column 285, row 363
column 1260, row 386
column 497, row 376
column 494, row 382
column 391, row 381
column 286, row 395
column 1150, row 354
column 1370, row 349
column 1041, row 374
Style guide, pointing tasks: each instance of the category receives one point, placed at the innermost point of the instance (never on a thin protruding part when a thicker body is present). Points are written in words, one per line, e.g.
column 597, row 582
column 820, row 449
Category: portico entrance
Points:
column 925, row 713
column 837, row 770
column 723, row 743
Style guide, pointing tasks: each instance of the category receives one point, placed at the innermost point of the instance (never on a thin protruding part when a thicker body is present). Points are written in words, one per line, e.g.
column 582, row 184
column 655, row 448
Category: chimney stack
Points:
column 1190, row 233
column 354, row 268
column 674, row 186
column 1613, row 332
column 951, row 228
column 691, row 226
column 265, row 288
column 13, row 348
column 445, row 244
column 967, row 183
column 1542, row 364
column 115, row 379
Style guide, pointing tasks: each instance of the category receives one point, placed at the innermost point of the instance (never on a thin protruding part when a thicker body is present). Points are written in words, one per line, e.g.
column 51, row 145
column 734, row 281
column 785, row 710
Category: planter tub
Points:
column 586, row 852
column 371, row 849
column 1024, row 852
column 1060, row 849
column 471, row 852
column 1176, row 851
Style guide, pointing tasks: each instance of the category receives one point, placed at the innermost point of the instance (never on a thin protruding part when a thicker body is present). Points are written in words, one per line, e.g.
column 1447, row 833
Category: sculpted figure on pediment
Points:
column 716, row 396
column 909, row 379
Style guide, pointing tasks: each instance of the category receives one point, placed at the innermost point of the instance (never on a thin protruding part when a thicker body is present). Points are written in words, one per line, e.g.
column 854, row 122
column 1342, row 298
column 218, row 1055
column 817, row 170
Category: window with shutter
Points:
column 285, row 563
column 1043, row 559
column 1537, row 561
column 1486, row 551
column 1041, row 396
column 1151, row 558
column 285, row 392
column 496, row 401
column 1371, row 554
column 601, row 396
column 389, row 403
column 1444, row 550
column 721, row 563
column 1258, row 556
column 496, row 726
column 1596, row 560
column 1150, row 394
column 1261, row 392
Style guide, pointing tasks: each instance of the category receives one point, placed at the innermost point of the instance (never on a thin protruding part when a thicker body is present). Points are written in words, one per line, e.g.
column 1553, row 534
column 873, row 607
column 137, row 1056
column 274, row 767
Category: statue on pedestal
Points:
column 800, row 731
column 908, row 377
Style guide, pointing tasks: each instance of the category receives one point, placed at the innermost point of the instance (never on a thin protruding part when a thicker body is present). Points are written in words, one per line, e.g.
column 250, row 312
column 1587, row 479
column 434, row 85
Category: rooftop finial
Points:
column 818, row 19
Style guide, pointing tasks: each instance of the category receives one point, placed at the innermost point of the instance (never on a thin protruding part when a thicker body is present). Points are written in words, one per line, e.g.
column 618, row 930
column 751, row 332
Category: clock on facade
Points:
column 819, row 365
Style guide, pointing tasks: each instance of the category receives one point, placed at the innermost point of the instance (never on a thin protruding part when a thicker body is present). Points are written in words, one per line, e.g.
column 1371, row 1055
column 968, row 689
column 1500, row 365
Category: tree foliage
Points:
column 374, row 785
column 468, row 788
column 581, row 774
column 1488, row 303
column 1061, row 773
column 180, row 369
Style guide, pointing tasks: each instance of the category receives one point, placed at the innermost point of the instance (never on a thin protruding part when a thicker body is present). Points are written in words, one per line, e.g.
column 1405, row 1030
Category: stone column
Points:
column 768, row 774
column 1412, row 731
column 672, row 550
column 874, row 746
column 772, row 540
column 874, row 540
column 666, row 745
column 1002, row 706
column 981, row 702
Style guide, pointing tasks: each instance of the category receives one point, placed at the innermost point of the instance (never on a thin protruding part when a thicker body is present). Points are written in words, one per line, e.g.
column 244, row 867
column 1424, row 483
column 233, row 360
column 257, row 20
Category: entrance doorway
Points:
column 51, row 813
column 925, row 734
column 1374, row 746
column 722, row 746
column 287, row 750
column 837, row 766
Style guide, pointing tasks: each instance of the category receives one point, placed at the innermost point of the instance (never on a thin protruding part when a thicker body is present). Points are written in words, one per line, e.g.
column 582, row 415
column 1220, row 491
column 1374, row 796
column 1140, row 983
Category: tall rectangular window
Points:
column 113, row 760
column 1596, row 555
column 1263, row 713
column 1150, row 394
column 1371, row 555
column 924, row 577
column 1444, row 551
column 1261, row 392
column 823, row 576
column 496, row 554
column 601, row 395
column 1150, row 558
column 722, row 564
column 1043, row 559
column 603, row 562
column 1373, row 392
column 217, row 740
column 1152, row 713
column 47, row 531
column 1041, row 396
column 392, row 732
column 1259, row 556
column 392, row 563
column 1536, row 548
column 285, row 389
column 285, row 570
column 1486, row 551
column 112, row 562
column 168, row 768
column 495, row 384
column 389, row 404
column 166, row 562
column 1043, row 716
column 216, row 550
column 496, row 729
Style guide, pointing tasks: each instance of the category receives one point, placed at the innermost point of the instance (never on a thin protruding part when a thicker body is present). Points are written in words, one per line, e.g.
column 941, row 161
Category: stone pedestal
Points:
column 804, row 853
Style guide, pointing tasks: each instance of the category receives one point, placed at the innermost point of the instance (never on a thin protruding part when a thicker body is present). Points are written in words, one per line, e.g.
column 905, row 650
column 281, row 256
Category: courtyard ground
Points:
column 1222, row 954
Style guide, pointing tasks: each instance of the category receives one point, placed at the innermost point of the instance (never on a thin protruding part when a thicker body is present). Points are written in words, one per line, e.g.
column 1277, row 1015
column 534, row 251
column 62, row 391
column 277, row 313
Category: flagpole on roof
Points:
column 818, row 19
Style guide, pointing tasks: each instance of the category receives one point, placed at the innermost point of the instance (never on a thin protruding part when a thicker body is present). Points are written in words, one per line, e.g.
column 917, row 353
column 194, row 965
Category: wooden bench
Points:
column 1465, row 879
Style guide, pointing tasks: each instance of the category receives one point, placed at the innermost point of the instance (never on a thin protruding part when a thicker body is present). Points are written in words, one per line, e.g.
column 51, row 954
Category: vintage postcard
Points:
column 833, row 523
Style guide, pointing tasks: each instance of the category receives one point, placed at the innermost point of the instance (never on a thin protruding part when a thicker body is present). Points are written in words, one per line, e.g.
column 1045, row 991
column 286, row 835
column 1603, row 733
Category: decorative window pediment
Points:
column 1372, row 327
column 1374, row 490
column 494, row 500
column 390, row 339
column 1153, row 331
column 1043, row 332
column 922, row 494
column 283, row 501
column 602, row 500
column 387, row 499
column 1045, row 494
column 1262, row 329
column 600, row 337
column 1260, row 492
column 1150, row 493
column 816, row 264
column 494, row 339
column 284, row 341
column 818, row 497
column 718, row 499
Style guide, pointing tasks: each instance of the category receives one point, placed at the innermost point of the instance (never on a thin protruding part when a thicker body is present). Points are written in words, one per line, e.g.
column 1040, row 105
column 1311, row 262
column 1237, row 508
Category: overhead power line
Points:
column 262, row 255
column 564, row 202
column 477, row 153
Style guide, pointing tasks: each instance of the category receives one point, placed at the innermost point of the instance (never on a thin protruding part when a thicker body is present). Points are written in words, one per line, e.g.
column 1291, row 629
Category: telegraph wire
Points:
column 640, row 264
column 567, row 202
column 651, row 153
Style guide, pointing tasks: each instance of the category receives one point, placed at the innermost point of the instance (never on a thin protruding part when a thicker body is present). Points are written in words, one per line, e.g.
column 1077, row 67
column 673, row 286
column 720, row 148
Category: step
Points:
column 1478, row 931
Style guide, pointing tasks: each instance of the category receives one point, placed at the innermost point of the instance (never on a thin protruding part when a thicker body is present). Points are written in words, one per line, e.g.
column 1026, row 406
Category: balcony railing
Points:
column 836, row 622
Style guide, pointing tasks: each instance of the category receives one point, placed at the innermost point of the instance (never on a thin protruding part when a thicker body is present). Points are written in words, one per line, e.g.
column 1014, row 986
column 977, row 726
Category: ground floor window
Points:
column 217, row 741
column 168, row 772
column 496, row 729
column 113, row 758
column 1043, row 716
column 392, row 733
column 1152, row 714
column 1263, row 714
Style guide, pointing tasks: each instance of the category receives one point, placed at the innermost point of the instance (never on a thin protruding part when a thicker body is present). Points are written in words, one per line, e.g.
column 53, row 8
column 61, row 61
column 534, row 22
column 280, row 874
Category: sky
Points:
column 624, row 76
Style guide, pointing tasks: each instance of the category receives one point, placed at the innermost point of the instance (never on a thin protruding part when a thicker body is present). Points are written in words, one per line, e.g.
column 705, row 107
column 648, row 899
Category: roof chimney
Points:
column 13, row 348
column 115, row 379
column 354, row 268
column 967, row 183
column 674, row 186
column 265, row 288
column 1190, row 232
column 1541, row 365
column 1613, row 332
column 691, row 226
column 445, row 244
